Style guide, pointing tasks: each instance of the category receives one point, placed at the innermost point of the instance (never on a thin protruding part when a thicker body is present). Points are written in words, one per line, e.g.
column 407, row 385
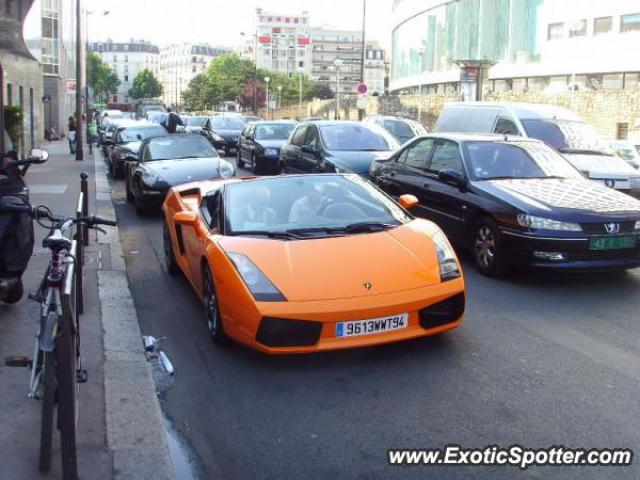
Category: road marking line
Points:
column 47, row 189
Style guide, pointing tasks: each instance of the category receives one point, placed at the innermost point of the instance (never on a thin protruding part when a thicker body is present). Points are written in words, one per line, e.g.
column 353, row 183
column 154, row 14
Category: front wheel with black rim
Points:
column 488, row 249
column 211, row 310
column 139, row 202
column 14, row 293
column 282, row 170
column 128, row 190
column 254, row 167
column 239, row 162
column 169, row 256
column 48, row 406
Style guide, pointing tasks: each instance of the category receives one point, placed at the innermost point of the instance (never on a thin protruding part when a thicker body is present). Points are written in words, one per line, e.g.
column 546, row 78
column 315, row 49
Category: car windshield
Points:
column 309, row 206
column 493, row 160
column 136, row 134
column 175, row 148
column 227, row 123
column 353, row 137
column 399, row 129
column 196, row 121
column 566, row 136
column 274, row 131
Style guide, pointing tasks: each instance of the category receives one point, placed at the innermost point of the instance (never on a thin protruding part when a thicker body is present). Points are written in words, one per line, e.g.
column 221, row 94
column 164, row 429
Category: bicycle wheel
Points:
column 48, row 405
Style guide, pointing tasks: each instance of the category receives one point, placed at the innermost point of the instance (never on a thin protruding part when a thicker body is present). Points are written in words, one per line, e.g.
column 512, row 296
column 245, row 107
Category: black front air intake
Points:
column 282, row 332
column 443, row 312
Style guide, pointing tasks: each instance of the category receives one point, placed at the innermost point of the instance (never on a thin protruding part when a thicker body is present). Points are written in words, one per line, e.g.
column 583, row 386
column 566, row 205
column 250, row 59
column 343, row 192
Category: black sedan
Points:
column 225, row 132
column 335, row 146
column 126, row 143
column 168, row 161
column 259, row 145
column 514, row 201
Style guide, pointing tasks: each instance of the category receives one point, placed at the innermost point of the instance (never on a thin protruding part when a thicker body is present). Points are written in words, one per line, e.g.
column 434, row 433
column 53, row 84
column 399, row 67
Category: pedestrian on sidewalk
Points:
column 72, row 135
column 92, row 130
column 173, row 120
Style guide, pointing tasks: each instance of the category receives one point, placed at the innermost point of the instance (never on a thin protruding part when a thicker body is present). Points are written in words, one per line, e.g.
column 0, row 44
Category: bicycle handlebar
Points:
column 39, row 212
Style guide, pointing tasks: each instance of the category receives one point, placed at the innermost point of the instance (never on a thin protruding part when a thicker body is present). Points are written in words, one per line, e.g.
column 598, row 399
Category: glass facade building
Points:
column 523, row 38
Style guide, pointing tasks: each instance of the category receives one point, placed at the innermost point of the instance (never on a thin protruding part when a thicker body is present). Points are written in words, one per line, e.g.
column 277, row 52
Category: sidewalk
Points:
column 120, row 433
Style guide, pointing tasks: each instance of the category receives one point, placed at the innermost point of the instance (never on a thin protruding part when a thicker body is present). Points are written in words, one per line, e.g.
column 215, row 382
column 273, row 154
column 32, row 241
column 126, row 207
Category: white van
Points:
column 558, row 127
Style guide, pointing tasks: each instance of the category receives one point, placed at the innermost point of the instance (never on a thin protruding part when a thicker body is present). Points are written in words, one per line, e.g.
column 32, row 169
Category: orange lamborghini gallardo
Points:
column 304, row 263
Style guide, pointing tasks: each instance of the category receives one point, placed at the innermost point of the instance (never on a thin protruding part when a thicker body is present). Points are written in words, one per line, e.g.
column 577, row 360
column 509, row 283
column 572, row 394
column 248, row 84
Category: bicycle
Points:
column 56, row 366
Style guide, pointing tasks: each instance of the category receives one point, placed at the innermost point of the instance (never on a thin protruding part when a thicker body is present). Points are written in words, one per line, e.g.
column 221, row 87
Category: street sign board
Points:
column 71, row 85
column 362, row 89
column 272, row 98
column 272, row 104
column 361, row 103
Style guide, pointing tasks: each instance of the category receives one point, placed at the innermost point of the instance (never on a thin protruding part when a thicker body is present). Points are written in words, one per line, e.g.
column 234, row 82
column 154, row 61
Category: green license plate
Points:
column 613, row 243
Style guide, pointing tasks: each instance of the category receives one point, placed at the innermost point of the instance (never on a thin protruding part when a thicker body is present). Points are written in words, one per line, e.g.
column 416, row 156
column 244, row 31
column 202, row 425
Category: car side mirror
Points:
column 38, row 155
column 186, row 218
column 309, row 149
column 407, row 201
column 222, row 153
column 452, row 177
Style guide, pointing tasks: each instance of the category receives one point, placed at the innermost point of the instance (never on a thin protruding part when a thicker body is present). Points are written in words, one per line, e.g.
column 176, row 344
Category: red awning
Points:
column 264, row 39
column 304, row 41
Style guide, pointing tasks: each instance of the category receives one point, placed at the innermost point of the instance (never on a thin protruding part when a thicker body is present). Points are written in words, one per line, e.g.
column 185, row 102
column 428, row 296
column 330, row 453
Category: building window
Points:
column 126, row 78
column 579, row 29
column 629, row 23
column 126, row 98
column 193, row 69
column 9, row 94
column 602, row 25
column 126, row 58
column 115, row 58
column 622, row 131
column 115, row 98
column 555, row 31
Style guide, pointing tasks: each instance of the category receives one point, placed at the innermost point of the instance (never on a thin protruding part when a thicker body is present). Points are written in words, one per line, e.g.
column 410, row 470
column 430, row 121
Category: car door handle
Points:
column 426, row 186
column 392, row 174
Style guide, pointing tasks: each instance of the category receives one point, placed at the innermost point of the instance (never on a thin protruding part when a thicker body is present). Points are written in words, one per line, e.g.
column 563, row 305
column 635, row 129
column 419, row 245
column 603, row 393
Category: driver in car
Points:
column 257, row 213
column 305, row 209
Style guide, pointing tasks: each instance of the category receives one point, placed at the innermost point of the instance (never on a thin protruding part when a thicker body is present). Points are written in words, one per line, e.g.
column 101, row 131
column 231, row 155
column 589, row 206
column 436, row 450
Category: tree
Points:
column 145, row 85
column 199, row 95
column 323, row 91
column 100, row 76
column 250, row 90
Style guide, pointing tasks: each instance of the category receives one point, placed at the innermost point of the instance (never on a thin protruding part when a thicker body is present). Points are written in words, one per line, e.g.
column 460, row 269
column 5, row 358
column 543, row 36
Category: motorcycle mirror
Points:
column 38, row 155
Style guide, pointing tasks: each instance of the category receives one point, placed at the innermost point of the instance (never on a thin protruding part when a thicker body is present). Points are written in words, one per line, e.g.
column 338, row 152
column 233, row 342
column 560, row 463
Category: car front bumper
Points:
column 568, row 253
column 244, row 323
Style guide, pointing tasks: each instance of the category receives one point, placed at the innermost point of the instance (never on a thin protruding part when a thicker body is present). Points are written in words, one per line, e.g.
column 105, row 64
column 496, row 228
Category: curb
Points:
column 134, row 422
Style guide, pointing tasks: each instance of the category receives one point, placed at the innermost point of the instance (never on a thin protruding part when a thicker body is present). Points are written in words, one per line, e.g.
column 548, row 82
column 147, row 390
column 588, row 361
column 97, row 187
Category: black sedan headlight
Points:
column 149, row 178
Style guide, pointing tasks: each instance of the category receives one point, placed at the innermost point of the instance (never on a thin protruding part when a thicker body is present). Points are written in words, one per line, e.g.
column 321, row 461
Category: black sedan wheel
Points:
column 128, row 190
column 254, row 167
column 488, row 252
column 169, row 257
column 239, row 162
column 282, row 169
column 211, row 310
column 138, row 201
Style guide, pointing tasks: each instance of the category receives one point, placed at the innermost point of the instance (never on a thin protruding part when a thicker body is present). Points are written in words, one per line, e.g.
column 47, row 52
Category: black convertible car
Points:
column 168, row 161
column 514, row 201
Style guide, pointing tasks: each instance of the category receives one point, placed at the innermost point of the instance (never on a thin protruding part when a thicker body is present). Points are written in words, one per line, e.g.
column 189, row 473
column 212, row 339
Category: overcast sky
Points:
column 219, row 22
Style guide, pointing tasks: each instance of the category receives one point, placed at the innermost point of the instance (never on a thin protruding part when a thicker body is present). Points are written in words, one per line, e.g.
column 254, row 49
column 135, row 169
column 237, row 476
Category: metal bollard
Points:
column 79, row 253
column 84, row 188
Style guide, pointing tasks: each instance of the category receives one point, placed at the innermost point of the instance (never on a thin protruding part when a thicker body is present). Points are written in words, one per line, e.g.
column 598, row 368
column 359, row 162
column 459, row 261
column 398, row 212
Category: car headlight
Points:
column 216, row 137
column 637, row 225
column 635, row 182
column 270, row 152
column 535, row 223
column 149, row 178
column 446, row 257
column 258, row 284
column 125, row 155
column 225, row 169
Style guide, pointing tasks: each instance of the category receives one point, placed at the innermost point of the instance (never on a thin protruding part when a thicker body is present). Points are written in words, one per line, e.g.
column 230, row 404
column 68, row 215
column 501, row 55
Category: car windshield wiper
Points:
column 267, row 233
column 351, row 228
column 582, row 151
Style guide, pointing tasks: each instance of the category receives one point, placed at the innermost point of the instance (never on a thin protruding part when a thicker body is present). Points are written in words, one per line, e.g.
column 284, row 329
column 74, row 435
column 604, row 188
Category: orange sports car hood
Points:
column 344, row 267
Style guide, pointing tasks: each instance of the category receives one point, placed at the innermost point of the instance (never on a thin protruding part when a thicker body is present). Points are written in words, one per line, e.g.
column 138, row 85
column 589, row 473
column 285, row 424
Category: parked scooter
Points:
column 16, row 230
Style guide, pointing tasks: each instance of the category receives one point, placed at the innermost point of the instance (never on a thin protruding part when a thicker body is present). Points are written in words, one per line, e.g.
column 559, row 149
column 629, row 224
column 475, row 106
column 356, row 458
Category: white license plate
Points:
column 372, row 326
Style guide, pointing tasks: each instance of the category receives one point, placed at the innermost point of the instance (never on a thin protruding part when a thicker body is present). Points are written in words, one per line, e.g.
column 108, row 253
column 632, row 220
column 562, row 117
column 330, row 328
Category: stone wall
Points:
column 604, row 109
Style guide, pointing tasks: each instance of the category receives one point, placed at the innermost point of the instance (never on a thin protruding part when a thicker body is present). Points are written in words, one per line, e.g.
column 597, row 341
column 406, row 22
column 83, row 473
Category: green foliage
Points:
column 13, row 118
column 100, row 76
column 145, row 85
column 230, row 77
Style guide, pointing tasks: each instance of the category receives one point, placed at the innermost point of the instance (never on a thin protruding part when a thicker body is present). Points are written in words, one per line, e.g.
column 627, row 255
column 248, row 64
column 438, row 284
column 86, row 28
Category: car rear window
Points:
column 352, row 137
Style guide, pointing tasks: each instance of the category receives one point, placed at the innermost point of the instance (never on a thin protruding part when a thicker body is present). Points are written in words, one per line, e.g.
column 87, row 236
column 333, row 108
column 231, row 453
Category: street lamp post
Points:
column 86, row 89
column 266, row 80
column 337, row 64
column 420, row 54
column 279, row 97
column 79, row 128
column 300, row 70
